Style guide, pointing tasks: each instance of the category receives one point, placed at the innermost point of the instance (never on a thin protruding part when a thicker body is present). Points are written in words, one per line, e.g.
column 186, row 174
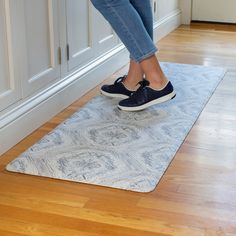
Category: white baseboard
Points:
column 24, row 119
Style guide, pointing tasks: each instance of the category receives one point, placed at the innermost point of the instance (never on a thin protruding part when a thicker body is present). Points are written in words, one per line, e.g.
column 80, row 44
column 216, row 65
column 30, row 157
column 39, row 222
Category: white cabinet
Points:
column 89, row 39
column 9, row 85
column 40, row 47
column 34, row 36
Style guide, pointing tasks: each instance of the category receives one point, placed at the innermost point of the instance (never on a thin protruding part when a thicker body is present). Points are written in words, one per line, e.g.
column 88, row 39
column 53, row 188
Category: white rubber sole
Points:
column 114, row 95
column 154, row 102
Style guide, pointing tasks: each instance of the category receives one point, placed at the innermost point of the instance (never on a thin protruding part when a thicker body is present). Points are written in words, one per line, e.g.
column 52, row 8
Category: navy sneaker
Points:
column 145, row 97
column 116, row 90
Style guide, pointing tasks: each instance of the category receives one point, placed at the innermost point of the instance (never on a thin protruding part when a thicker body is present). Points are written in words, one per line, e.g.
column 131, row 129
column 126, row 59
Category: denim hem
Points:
column 146, row 55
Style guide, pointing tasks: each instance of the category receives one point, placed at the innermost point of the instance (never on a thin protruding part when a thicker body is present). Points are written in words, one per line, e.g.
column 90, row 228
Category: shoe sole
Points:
column 154, row 102
column 114, row 95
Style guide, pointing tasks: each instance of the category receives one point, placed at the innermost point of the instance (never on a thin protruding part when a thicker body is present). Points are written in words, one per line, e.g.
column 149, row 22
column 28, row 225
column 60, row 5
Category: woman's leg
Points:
column 151, row 65
column 144, row 9
column 129, row 26
column 135, row 73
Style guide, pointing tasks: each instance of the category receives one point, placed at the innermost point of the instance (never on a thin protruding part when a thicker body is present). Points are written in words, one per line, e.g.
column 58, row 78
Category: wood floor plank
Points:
column 204, row 210
column 7, row 233
column 219, row 232
column 38, row 229
column 33, row 216
column 117, row 219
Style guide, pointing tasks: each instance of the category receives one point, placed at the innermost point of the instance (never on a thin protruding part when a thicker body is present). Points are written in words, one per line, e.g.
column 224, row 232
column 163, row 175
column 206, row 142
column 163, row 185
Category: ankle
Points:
column 131, row 83
column 158, row 83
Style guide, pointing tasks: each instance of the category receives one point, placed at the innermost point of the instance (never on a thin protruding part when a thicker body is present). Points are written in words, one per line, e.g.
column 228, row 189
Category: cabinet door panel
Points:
column 37, row 36
column 105, row 37
column 40, row 27
column 79, row 33
column 9, row 85
column 88, row 34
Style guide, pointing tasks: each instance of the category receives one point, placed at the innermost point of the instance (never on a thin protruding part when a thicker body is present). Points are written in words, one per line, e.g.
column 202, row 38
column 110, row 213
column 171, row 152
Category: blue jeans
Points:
column 132, row 20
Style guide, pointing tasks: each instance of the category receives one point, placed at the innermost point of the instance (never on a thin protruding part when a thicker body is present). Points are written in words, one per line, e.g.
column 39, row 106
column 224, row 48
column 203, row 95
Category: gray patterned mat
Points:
column 104, row 146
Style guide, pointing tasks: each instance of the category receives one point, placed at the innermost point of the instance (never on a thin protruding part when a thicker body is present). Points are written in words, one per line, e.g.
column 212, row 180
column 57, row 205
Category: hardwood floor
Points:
column 196, row 196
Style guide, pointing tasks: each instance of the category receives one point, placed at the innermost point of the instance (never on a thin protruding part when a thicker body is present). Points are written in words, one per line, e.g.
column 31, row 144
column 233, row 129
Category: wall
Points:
column 186, row 10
